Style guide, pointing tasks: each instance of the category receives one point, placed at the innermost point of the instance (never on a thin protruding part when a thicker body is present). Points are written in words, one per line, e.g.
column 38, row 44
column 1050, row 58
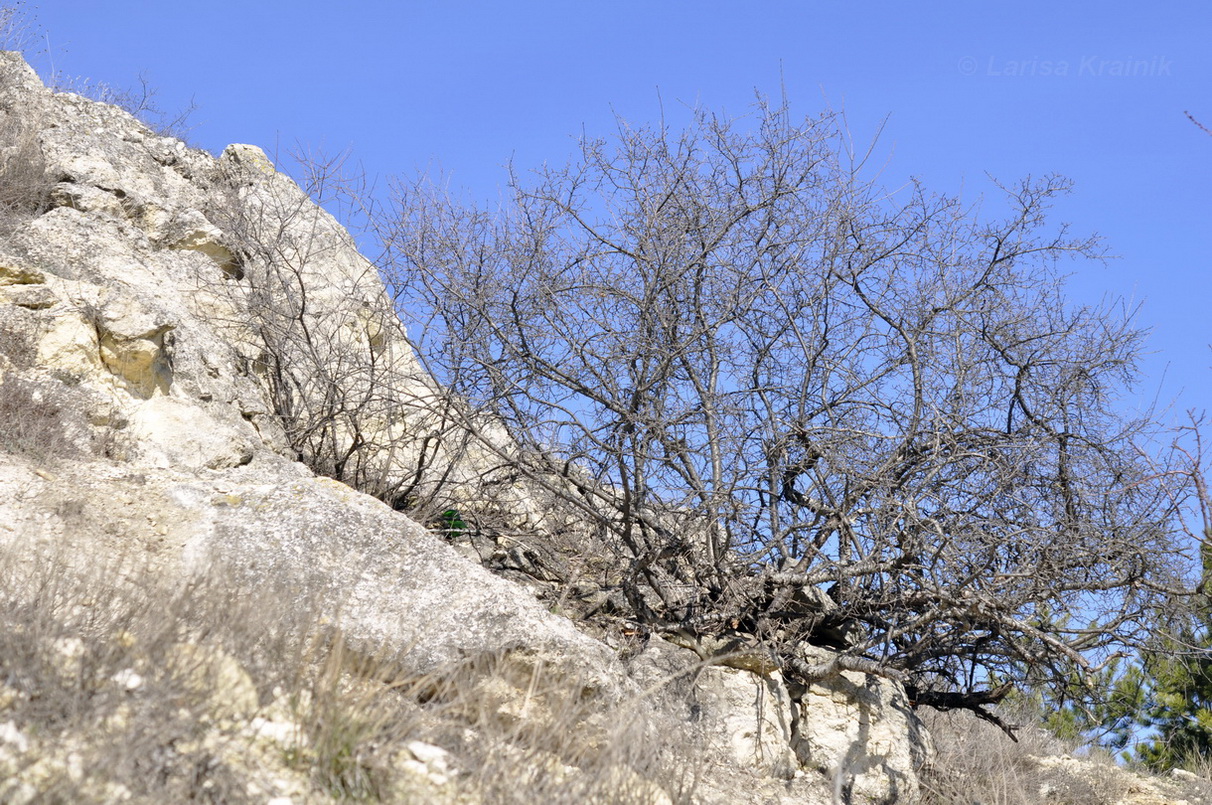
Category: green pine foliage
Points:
column 1179, row 703
column 453, row 524
column 1106, row 711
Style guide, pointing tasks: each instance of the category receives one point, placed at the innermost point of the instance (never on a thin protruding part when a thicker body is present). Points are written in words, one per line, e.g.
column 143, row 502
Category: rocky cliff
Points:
column 190, row 611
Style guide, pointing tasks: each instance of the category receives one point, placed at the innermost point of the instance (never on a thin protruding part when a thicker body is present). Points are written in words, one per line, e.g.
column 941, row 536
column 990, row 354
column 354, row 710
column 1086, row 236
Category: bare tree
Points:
column 796, row 406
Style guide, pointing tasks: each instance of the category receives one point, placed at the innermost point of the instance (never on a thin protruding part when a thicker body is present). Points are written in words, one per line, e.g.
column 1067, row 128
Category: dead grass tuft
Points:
column 976, row 763
column 16, row 345
column 24, row 184
column 114, row 686
column 534, row 733
column 37, row 420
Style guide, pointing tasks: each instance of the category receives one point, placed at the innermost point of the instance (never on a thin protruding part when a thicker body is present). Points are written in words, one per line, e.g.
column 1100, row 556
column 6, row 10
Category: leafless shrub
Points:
column 351, row 398
column 18, row 28
column 140, row 101
column 20, row 31
column 786, row 401
column 1201, row 126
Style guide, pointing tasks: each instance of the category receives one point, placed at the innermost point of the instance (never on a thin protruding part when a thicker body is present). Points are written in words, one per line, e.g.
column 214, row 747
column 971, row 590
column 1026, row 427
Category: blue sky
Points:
column 1096, row 92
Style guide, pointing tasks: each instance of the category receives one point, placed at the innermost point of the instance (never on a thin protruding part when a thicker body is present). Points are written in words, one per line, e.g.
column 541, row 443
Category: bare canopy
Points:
column 797, row 406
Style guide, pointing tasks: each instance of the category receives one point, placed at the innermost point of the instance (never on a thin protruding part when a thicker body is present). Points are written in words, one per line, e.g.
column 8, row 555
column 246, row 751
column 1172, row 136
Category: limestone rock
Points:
column 754, row 717
column 134, row 343
column 209, row 671
column 248, row 160
column 10, row 735
column 428, row 761
column 68, row 345
column 30, row 297
column 747, row 717
column 21, row 84
column 14, row 273
column 88, row 199
column 860, row 730
column 173, row 433
column 190, row 230
column 396, row 586
column 752, row 721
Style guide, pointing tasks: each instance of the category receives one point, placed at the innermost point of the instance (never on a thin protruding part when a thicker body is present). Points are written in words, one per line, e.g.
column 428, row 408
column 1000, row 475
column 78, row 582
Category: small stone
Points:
column 127, row 679
column 70, row 655
column 9, row 734
column 75, row 767
column 280, row 732
column 435, row 757
column 7, row 696
column 11, row 274
column 19, row 794
column 212, row 674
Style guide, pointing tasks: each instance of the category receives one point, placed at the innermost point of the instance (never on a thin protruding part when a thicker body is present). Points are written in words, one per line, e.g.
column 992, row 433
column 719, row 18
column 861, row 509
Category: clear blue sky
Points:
column 968, row 88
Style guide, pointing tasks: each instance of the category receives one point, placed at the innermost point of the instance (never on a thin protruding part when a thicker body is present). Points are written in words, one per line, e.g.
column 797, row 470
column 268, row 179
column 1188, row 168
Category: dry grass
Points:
column 1198, row 765
column 558, row 742
column 17, row 346
column 24, row 184
column 88, row 669
column 114, row 686
column 38, row 421
column 139, row 101
column 42, row 415
column 977, row 764
column 17, row 28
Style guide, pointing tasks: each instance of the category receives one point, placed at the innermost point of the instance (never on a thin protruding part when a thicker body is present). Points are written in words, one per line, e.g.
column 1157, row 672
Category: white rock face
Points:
column 860, row 730
column 144, row 319
column 754, row 718
column 172, row 433
column 859, row 724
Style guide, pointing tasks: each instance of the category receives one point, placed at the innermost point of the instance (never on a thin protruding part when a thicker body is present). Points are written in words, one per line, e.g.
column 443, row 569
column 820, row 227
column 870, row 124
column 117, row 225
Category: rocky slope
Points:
column 139, row 326
column 211, row 619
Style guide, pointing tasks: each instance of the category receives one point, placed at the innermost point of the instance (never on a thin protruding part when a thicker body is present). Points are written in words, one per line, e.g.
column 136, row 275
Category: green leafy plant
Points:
column 453, row 525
